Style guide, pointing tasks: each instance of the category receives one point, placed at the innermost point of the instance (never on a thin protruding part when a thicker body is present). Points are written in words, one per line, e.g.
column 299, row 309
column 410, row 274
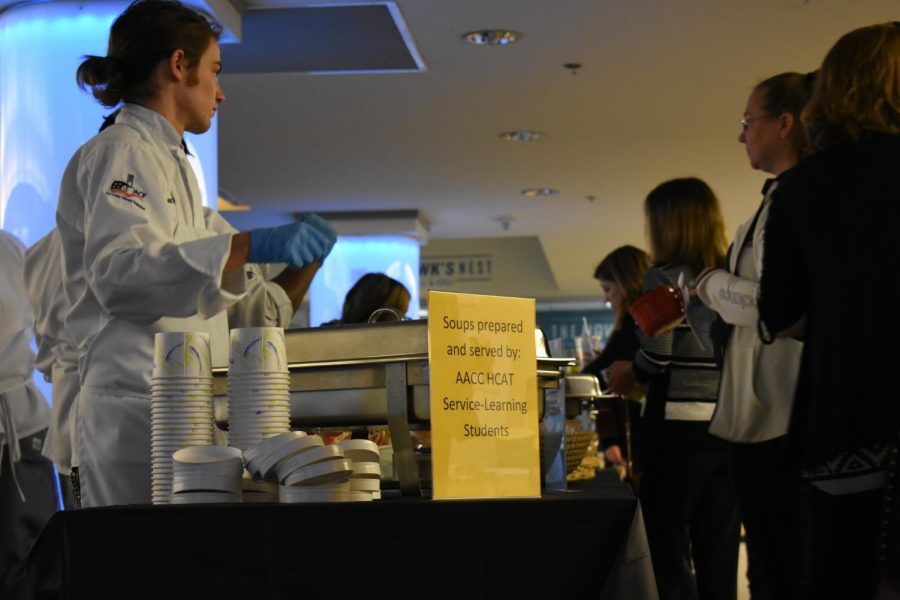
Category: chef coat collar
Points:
column 156, row 126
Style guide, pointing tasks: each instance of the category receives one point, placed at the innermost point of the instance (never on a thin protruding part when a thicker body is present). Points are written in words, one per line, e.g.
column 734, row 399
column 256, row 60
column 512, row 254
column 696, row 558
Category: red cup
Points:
column 658, row 311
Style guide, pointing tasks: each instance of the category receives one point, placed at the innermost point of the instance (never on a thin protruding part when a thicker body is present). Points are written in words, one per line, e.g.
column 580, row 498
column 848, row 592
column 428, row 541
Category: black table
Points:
column 581, row 544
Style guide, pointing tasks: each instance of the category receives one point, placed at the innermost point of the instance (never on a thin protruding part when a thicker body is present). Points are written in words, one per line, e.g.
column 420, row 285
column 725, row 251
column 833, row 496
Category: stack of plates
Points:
column 317, row 474
column 258, row 386
column 181, row 409
column 263, row 458
column 205, row 474
column 366, row 476
column 258, row 491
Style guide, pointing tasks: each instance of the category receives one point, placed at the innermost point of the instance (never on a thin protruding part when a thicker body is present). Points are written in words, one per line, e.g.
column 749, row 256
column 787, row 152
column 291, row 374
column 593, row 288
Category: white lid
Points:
column 296, row 494
column 322, row 472
column 204, row 498
column 201, row 454
column 265, row 465
column 308, row 457
column 360, row 496
column 365, row 485
column 370, row 470
column 259, row 497
column 269, row 444
column 361, row 450
column 206, row 484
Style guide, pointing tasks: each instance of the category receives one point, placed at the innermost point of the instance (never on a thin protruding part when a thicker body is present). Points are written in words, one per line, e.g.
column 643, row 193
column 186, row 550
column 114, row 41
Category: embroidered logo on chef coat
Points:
column 125, row 190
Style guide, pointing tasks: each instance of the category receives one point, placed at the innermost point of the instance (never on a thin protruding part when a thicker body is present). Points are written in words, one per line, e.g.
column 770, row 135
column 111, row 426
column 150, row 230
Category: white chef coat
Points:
column 140, row 255
column 57, row 356
column 23, row 409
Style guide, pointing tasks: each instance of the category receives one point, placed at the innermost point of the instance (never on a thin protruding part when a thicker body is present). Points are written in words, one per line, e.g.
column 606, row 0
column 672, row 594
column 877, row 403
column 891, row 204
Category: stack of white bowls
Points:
column 258, row 386
column 366, row 465
column 206, row 474
column 258, row 491
column 317, row 473
column 264, row 458
column 181, row 408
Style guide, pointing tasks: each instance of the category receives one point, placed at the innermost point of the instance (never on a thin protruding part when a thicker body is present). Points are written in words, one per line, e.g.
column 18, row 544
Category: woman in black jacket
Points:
column 621, row 275
column 830, row 275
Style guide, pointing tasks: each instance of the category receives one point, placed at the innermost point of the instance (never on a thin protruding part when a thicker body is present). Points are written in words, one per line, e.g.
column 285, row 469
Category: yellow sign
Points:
column 484, row 412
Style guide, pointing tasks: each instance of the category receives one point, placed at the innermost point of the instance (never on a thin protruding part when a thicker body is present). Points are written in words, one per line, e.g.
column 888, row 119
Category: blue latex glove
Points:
column 323, row 226
column 297, row 244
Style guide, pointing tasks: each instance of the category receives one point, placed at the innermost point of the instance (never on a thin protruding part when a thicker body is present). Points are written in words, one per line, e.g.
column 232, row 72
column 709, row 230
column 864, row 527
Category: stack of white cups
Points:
column 181, row 409
column 258, row 386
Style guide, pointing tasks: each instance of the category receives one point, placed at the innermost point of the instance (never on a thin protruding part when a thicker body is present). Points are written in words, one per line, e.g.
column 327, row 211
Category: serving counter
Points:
column 582, row 544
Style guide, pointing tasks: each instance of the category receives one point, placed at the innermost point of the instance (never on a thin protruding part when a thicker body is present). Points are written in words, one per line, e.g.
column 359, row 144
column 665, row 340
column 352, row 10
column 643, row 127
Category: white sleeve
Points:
column 134, row 266
column 265, row 304
column 733, row 297
column 43, row 285
column 16, row 318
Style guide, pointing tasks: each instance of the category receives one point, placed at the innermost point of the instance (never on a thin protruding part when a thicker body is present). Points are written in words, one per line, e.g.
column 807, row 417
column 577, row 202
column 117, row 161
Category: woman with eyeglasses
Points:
column 830, row 273
column 758, row 381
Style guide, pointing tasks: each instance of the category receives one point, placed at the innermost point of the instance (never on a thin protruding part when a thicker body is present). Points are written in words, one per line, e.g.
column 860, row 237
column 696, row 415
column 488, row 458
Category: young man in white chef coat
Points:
column 140, row 253
column 27, row 489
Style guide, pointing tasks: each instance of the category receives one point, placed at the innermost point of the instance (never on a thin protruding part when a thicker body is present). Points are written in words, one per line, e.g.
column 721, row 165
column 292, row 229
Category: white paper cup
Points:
column 274, row 377
column 181, row 354
column 257, row 350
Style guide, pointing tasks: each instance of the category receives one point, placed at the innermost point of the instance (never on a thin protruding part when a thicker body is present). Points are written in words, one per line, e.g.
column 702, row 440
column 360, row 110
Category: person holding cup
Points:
column 685, row 491
column 140, row 253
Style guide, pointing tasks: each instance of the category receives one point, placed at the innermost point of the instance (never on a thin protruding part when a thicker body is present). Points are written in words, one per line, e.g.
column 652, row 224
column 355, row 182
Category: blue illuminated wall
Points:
column 352, row 257
column 45, row 117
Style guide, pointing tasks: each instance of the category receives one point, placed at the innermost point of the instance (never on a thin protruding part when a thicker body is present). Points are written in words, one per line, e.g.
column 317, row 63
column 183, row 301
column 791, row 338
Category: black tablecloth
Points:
column 581, row 544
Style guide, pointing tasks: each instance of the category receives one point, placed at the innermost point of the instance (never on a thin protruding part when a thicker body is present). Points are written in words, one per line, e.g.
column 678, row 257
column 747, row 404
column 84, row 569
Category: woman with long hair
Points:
column 830, row 275
column 621, row 276
column 685, row 492
column 758, row 381
column 375, row 292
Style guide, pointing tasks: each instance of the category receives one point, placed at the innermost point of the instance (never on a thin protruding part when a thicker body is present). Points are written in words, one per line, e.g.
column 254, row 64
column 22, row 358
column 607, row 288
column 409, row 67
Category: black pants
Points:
column 844, row 536
column 689, row 506
column 767, row 490
column 21, row 522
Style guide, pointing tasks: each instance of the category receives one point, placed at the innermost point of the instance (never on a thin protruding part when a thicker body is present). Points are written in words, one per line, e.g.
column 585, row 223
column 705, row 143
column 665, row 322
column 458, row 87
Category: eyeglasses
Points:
column 745, row 122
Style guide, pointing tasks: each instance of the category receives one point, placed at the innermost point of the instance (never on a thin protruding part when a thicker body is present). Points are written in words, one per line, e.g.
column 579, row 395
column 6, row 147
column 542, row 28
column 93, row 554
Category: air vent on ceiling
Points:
column 367, row 38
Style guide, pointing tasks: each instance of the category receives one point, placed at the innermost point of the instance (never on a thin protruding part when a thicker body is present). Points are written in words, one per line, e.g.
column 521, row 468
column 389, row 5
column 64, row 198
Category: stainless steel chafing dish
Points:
column 372, row 374
column 583, row 393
